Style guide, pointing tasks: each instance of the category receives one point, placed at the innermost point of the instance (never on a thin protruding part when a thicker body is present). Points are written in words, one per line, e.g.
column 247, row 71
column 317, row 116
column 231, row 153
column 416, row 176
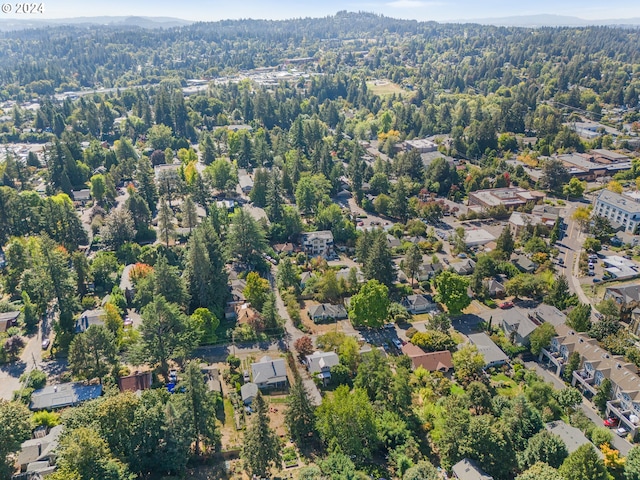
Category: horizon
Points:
column 421, row 10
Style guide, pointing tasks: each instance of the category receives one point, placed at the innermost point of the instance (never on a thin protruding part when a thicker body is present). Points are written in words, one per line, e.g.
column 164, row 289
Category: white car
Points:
column 397, row 343
column 621, row 432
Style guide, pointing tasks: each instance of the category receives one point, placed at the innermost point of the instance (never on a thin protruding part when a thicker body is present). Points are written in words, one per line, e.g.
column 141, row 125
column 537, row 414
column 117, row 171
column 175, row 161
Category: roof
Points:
column 467, row 469
column 320, row 234
column 90, row 317
column 268, row 370
column 211, row 378
column 81, row 195
column 245, row 181
column 520, row 219
column 432, row 361
column 494, row 286
column 618, row 370
column 125, row 279
column 36, row 449
column 248, row 391
column 393, row 241
column 418, row 301
column 464, row 267
column 63, row 395
column 6, row 318
column 621, row 202
column 320, row 360
column 572, row 437
column 489, row 350
column 477, row 236
column 549, row 314
column 327, row 310
column 517, row 321
column 137, row 382
column 524, row 263
column 628, row 293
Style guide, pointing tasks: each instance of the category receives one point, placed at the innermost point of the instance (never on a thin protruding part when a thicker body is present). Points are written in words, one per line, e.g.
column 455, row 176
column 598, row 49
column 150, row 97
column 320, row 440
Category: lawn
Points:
column 506, row 386
column 384, row 87
column 456, row 389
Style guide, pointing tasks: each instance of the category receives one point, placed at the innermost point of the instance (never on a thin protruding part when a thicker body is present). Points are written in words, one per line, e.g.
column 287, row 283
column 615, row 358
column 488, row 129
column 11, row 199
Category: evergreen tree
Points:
column 580, row 318
column 146, row 183
column 584, row 464
column 274, row 200
column 245, row 240
column 258, row 194
column 378, row 264
column 165, row 222
column 299, row 417
column 189, row 213
column 559, row 294
column 412, row 261
column 15, row 428
column 204, row 271
column 261, row 447
column 201, row 406
column 505, row 243
column 93, row 353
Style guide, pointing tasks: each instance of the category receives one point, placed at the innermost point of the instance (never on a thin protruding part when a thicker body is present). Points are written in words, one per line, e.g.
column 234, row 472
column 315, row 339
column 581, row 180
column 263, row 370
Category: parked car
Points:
column 591, row 266
column 446, row 260
column 505, row 305
column 397, row 343
column 560, row 261
column 45, row 343
column 611, row 422
column 462, row 255
column 389, row 326
column 591, row 273
column 596, row 280
column 621, row 431
column 598, row 315
column 128, row 322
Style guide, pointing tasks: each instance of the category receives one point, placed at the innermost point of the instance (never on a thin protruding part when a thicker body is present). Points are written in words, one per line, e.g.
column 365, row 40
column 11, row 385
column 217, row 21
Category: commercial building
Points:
column 509, row 197
column 623, row 210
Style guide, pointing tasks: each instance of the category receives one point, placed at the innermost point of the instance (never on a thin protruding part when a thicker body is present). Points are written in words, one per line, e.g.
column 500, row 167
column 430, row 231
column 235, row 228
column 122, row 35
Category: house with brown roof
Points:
column 433, row 361
column 137, row 382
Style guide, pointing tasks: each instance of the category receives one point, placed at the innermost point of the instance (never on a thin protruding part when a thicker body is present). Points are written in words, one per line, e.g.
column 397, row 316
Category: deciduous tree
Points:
column 369, row 307
column 452, row 291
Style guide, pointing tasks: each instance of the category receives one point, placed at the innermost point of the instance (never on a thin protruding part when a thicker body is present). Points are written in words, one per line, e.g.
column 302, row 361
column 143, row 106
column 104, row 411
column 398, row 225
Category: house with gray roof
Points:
column 248, row 392
column 518, row 327
column 416, row 304
column 464, row 267
column 468, row 469
column 524, row 264
column 492, row 354
column 95, row 316
column 269, row 373
column 627, row 297
column 326, row 312
column 549, row 314
column 572, row 437
column 62, row 395
column 320, row 363
column 39, row 454
column 8, row 320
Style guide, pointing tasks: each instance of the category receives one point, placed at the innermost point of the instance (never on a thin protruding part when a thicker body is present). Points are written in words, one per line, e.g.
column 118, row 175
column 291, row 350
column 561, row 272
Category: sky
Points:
column 438, row 10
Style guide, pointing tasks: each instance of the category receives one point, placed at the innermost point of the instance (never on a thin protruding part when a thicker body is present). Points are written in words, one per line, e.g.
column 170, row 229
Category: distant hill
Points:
column 548, row 20
column 10, row 24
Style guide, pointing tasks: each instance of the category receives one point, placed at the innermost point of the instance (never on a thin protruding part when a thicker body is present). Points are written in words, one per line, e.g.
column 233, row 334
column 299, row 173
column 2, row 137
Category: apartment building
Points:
column 622, row 210
column 317, row 243
column 596, row 364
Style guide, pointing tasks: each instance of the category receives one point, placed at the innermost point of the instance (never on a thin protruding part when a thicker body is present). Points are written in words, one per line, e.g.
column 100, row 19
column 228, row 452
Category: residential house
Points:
column 318, row 243
column 246, row 314
column 492, row 354
column 416, row 304
column 596, row 364
column 304, row 279
column 549, row 314
column 518, row 327
column 326, row 312
column 96, row 316
column 524, row 264
column 269, row 373
column 248, row 392
column 627, row 297
column 467, row 469
column 495, row 288
column 284, row 248
column 62, row 395
column 8, row 320
column 464, row 267
column 427, row 271
column 38, row 455
column 245, row 181
column 393, row 242
column 211, row 377
column 441, row 361
column 519, row 222
column 137, row 382
column 344, row 273
column 81, row 196
column 126, row 284
column 320, row 363
column 572, row 437
column 509, row 197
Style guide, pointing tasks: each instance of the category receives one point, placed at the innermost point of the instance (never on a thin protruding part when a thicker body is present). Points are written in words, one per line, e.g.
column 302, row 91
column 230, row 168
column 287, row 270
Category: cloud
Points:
column 413, row 4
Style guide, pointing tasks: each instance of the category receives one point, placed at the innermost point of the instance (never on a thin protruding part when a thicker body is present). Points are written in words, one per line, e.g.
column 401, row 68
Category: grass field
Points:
column 385, row 87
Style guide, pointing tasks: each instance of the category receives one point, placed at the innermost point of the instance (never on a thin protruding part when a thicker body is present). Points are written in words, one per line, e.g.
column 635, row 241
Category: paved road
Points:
column 587, row 407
